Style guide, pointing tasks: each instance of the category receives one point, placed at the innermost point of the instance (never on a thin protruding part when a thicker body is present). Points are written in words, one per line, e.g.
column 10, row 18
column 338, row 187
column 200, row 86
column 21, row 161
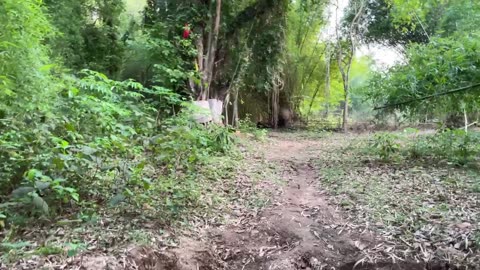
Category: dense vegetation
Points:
column 98, row 97
column 438, row 78
column 74, row 140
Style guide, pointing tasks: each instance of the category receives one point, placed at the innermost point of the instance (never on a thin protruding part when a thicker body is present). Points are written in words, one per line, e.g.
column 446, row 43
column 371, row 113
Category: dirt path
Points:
column 300, row 230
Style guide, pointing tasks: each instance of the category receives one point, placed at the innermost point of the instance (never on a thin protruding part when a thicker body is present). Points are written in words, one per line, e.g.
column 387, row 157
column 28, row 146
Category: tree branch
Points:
column 453, row 91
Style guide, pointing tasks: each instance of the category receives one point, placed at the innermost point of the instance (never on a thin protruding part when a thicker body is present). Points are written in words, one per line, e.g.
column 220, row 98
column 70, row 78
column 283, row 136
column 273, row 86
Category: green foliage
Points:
column 24, row 68
column 77, row 142
column 49, row 250
column 246, row 125
column 152, row 59
column 89, row 34
column 183, row 144
column 443, row 64
column 445, row 59
column 96, row 149
column 28, row 91
column 456, row 146
column 74, row 248
column 385, row 145
column 383, row 27
column 5, row 246
column 70, row 18
column 306, row 69
column 223, row 140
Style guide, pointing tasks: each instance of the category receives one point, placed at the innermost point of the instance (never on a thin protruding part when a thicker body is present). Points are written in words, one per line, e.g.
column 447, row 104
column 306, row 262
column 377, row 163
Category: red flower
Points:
column 186, row 31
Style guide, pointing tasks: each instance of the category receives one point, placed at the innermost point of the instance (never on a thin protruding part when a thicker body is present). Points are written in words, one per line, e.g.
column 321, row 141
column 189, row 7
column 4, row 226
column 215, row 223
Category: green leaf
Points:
column 64, row 144
column 74, row 249
column 40, row 204
column 128, row 192
column 22, row 192
column 41, row 185
column 117, row 199
column 46, row 67
column 14, row 246
column 70, row 190
column 88, row 150
column 33, row 173
column 147, row 183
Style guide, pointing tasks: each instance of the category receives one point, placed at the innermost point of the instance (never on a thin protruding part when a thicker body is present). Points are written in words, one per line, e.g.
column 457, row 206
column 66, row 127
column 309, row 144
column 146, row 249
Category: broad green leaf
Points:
column 22, row 192
column 40, row 204
column 41, row 185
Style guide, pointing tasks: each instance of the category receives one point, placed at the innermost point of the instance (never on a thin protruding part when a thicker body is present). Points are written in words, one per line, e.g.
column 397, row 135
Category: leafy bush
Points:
column 103, row 142
column 456, row 146
column 385, row 145
column 246, row 125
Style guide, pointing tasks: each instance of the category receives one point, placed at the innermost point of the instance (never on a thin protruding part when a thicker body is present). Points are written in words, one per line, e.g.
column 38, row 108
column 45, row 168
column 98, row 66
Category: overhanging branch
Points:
column 453, row 91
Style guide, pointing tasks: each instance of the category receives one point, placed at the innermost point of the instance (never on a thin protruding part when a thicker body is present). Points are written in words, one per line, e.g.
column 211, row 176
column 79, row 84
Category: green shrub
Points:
column 223, row 140
column 246, row 125
column 385, row 145
column 455, row 146
column 103, row 143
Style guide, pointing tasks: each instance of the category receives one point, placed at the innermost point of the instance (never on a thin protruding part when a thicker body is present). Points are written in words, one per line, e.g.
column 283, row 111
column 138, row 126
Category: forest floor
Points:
column 327, row 205
column 312, row 223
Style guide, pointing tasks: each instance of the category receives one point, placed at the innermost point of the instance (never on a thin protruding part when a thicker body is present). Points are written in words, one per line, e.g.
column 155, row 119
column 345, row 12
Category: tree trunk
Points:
column 275, row 106
column 345, row 72
column 211, row 50
column 327, row 80
column 317, row 89
column 235, row 117
column 345, row 106
column 345, row 66
column 225, row 107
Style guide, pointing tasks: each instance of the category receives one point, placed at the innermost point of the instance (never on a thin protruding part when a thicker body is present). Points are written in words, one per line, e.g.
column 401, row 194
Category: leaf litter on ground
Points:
column 429, row 212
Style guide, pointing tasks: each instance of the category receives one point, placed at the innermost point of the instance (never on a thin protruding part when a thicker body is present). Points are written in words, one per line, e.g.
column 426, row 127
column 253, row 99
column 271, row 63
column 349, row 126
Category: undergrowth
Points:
column 101, row 152
column 246, row 125
column 455, row 147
